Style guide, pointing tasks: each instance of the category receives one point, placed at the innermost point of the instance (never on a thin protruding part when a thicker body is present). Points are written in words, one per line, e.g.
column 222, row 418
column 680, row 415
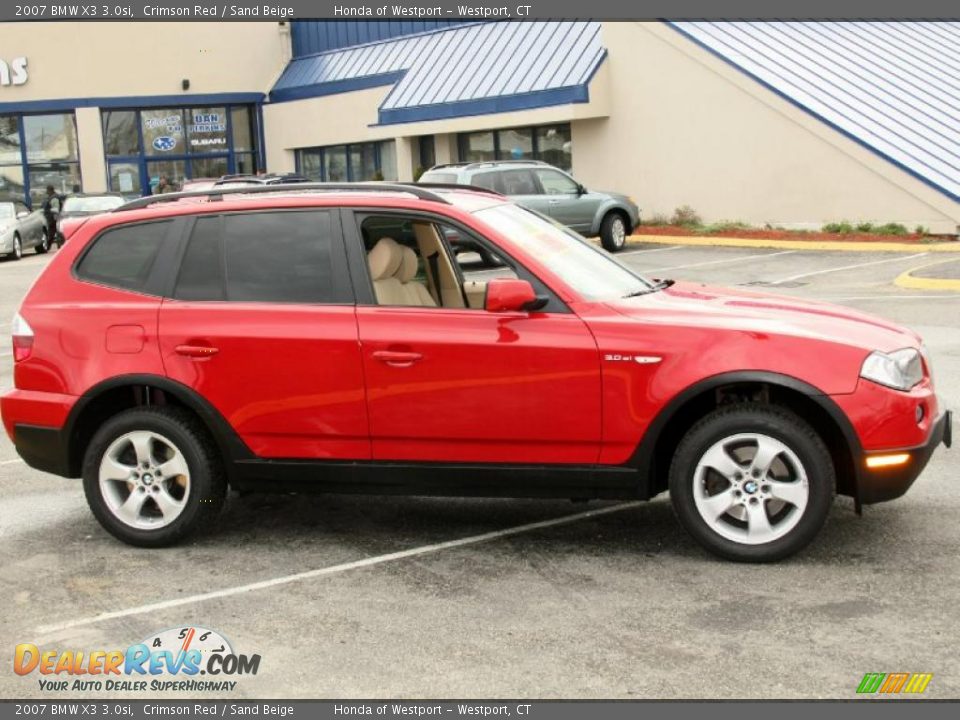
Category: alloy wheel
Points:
column 750, row 488
column 144, row 480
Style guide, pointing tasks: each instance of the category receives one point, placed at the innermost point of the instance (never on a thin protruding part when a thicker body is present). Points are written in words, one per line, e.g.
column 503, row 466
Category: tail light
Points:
column 22, row 335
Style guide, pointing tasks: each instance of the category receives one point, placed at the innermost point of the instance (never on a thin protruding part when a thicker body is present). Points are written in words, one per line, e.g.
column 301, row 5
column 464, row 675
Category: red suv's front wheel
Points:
column 152, row 476
column 752, row 482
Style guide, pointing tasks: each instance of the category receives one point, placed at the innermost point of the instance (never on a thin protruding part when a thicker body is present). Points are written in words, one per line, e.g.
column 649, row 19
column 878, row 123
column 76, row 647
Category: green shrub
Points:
column 865, row 227
column 686, row 216
column 891, row 229
column 921, row 230
column 726, row 226
column 842, row 227
column 418, row 172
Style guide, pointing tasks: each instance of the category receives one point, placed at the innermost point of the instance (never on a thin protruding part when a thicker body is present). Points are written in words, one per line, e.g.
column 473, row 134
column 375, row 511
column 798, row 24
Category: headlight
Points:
column 901, row 369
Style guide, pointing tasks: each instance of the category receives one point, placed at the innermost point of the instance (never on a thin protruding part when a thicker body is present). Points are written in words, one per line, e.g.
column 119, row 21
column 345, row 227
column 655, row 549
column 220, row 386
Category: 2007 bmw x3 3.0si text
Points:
column 326, row 338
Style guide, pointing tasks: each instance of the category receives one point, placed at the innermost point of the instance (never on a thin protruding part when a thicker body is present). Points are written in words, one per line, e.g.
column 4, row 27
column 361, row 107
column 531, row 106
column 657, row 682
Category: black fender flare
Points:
column 643, row 456
column 231, row 446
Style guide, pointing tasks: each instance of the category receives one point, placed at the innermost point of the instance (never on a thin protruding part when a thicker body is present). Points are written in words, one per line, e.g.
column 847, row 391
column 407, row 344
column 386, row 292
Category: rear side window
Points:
column 123, row 257
column 488, row 180
column 279, row 257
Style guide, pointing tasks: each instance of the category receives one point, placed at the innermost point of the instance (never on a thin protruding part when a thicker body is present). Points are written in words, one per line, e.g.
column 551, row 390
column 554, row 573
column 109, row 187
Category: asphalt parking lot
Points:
column 615, row 605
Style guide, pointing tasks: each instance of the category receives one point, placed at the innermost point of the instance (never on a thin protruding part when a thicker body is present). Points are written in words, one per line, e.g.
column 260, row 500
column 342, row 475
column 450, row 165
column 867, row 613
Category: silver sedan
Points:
column 21, row 228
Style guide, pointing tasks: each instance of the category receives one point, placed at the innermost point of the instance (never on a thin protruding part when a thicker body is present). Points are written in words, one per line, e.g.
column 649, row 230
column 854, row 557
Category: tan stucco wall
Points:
column 352, row 117
column 685, row 128
column 130, row 59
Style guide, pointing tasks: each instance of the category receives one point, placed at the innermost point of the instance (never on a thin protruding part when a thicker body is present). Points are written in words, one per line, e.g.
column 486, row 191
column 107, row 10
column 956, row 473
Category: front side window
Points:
column 592, row 273
column 556, row 183
column 123, row 257
column 276, row 257
column 163, row 132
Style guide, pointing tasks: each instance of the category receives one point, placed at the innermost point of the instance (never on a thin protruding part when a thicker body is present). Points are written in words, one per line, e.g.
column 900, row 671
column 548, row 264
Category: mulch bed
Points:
column 671, row 230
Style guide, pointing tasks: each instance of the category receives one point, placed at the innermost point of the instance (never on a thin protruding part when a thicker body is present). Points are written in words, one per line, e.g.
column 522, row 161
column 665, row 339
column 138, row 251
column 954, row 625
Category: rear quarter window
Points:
column 123, row 257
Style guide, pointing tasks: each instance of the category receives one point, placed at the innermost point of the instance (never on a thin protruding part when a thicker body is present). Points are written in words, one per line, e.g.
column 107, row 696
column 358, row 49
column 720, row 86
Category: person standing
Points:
column 52, row 205
column 163, row 186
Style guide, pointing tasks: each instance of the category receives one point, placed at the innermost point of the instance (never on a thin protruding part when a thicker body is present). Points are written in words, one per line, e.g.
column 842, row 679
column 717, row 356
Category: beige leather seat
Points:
column 384, row 261
column 415, row 292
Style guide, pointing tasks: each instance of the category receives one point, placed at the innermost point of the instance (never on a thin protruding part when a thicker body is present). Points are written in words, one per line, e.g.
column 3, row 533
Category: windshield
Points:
column 7, row 211
column 92, row 204
column 591, row 272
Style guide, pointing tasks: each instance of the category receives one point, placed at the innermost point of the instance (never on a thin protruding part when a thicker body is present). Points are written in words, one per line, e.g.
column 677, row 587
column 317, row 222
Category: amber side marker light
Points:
column 882, row 461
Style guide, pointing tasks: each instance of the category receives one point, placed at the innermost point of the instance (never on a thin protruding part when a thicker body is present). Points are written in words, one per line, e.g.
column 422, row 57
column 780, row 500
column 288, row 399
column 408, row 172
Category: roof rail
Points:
column 458, row 186
column 216, row 193
column 483, row 163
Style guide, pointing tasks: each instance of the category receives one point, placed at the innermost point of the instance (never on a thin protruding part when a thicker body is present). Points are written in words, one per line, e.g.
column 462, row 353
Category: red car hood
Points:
column 686, row 304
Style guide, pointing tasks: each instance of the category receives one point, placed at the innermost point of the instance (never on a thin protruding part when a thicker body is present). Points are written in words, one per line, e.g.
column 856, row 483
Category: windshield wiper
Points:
column 658, row 285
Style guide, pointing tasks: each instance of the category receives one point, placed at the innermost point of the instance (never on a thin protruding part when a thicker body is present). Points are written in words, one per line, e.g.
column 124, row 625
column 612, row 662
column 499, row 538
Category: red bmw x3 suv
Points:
column 326, row 338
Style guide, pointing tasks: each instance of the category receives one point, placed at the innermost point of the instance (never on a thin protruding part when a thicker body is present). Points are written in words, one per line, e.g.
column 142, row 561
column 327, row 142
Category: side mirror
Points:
column 509, row 295
column 581, row 190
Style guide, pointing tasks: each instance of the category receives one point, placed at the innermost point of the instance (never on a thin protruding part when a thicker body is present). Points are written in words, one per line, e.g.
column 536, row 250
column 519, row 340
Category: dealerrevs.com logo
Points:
column 894, row 683
column 185, row 659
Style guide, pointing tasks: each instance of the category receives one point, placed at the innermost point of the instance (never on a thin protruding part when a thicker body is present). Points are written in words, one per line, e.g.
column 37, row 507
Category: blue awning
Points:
column 470, row 70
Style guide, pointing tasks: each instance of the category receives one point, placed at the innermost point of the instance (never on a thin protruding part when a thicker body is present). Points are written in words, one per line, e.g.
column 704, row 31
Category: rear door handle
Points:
column 397, row 359
column 196, row 351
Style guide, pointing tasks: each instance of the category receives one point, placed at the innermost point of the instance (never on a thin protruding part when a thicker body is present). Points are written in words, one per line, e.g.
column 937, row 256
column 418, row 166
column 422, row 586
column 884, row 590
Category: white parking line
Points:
column 845, row 267
column 334, row 569
column 890, row 297
column 648, row 252
column 720, row 262
column 10, row 462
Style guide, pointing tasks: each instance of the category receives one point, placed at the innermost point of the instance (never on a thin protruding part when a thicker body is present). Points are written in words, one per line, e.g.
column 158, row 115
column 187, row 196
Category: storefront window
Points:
column 335, row 164
column 242, row 129
column 10, row 140
column 516, row 144
column 120, row 136
column 427, row 151
column 207, row 130
column 311, row 164
column 357, row 162
column 245, row 163
column 554, row 146
column 125, row 178
column 388, row 160
column 477, row 147
column 363, row 162
column 175, row 170
column 163, row 132
column 212, row 167
column 50, row 137
column 11, row 182
column 64, row 177
column 549, row 143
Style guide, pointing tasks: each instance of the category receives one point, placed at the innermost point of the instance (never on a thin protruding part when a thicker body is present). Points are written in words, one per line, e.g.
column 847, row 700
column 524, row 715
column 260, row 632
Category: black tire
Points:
column 44, row 246
column 208, row 486
column 772, row 421
column 613, row 231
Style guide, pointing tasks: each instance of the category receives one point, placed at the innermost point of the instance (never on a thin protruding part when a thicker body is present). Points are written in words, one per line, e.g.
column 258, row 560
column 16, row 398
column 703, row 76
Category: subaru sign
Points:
column 164, row 143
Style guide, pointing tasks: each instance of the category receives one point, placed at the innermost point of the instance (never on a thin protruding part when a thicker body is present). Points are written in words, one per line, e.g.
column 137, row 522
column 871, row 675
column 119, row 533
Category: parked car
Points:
column 268, row 179
column 549, row 190
column 83, row 206
column 572, row 377
column 21, row 229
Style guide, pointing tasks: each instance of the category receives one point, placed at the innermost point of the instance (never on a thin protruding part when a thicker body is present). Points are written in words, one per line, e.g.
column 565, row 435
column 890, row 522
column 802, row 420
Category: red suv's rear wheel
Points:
column 152, row 476
column 752, row 482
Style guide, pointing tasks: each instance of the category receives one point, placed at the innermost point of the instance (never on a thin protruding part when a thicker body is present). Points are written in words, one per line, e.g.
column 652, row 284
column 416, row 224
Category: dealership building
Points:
column 788, row 124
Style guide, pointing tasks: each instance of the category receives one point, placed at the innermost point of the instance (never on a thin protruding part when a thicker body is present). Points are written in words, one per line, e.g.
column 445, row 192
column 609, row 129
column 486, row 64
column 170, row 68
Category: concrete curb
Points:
column 838, row 245
column 908, row 280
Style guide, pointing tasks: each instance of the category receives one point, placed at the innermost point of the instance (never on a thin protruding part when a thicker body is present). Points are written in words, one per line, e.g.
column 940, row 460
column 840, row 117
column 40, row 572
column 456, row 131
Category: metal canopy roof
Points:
column 470, row 70
column 893, row 87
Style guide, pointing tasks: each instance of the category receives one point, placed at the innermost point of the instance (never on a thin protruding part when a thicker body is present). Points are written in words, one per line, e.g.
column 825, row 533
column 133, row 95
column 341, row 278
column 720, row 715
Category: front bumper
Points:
column 887, row 483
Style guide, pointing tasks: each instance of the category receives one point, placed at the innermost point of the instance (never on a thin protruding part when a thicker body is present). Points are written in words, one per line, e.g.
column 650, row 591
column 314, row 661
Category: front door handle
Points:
column 395, row 358
column 196, row 351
